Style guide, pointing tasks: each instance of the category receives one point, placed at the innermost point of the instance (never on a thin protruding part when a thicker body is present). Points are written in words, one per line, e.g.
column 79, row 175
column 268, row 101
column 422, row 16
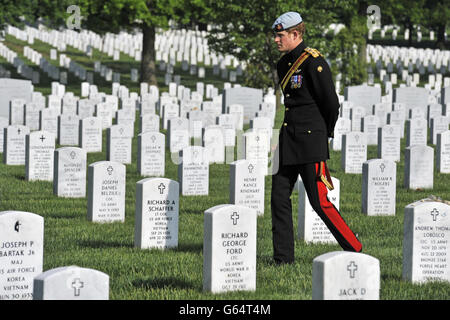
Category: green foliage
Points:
column 244, row 30
column 13, row 12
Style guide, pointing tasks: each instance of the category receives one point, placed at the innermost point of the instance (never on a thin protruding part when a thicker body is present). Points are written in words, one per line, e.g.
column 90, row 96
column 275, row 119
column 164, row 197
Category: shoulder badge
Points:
column 314, row 52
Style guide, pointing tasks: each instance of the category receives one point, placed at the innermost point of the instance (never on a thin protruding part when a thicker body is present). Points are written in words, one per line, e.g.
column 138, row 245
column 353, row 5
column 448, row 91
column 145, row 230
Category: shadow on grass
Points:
column 391, row 277
column 104, row 244
column 62, row 215
column 190, row 247
column 164, row 283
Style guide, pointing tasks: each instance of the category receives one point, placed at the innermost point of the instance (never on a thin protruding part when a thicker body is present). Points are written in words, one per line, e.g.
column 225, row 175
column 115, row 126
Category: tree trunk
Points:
column 276, row 87
column 411, row 29
column 440, row 43
column 148, row 61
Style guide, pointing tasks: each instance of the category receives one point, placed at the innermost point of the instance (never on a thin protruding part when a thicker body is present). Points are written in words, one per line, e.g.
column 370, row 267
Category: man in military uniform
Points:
column 311, row 112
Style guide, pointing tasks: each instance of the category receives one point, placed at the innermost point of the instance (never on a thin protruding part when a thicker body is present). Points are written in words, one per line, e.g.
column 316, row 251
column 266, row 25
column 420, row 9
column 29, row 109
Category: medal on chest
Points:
column 296, row 81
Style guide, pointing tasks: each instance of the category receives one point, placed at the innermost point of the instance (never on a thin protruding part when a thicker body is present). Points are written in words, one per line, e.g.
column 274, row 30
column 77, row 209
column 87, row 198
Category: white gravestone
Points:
column 31, row 116
column 229, row 249
column 341, row 275
column 370, row 125
column 106, row 191
column 227, row 122
column 443, row 152
column 342, row 127
column 419, row 167
column 250, row 98
column 16, row 112
column 214, row 143
column 71, row 283
column 237, row 110
column 416, row 132
column 149, row 122
column 411, row 97
column 247, row 185
column 105, row 112
column 354, row 151
column 21, row 253
column 438, row 125
column 311, row 228
column 118, row 144
column 193, row 171
column 151, row 154
column 48, row 120
column 363, row 95
column 379, row 178
column 426, row 242
column 39, row 156
column 169, row 111
column 69, row 177
column 256, row 148
column 90, row 137
column 14, row 144
column 157, row 212
column 68, row 130
column 397, row 118
column 85, row 108
column 389, row 142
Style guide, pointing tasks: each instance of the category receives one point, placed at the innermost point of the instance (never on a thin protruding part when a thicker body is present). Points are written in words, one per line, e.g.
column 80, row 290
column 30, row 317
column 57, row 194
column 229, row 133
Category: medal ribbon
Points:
column 294, row 68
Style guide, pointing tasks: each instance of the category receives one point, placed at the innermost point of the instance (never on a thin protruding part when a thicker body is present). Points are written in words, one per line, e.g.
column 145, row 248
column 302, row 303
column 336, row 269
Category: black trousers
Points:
column 282, row 226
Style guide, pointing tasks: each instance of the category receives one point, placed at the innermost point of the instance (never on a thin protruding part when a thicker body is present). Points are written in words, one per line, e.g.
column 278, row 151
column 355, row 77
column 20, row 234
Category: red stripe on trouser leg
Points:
column 335, row 218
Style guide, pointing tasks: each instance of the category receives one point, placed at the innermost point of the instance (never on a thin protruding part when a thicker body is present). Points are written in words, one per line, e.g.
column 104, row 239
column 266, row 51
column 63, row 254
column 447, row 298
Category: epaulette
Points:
column 314, row 52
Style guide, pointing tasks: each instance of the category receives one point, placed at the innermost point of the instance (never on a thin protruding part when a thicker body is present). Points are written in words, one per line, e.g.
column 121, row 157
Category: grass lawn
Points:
column 69, row 239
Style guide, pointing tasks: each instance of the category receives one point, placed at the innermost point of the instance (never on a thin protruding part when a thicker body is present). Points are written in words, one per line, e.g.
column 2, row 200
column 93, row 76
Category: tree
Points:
column 404, row 13
column 12, row 12
column 436, row 16
column 244, row 29
column 116, row 15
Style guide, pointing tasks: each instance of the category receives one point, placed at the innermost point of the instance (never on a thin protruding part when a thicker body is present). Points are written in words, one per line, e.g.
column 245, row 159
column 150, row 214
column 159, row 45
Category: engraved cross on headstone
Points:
column 16, row 226
column 235, row 218
column 77, row 285
column 110, row 170
column 161, row 188
column 382, row 167
column 434, row 214
column 351, row 268
column 42, row 138
column 250, row 168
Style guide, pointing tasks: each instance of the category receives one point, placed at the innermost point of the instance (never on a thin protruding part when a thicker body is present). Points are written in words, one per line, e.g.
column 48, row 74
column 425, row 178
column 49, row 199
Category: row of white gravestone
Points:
column 433, row 60
column 229, row 251
column 354, row 118
column 387, row 138
column 419, row 159
column 36, row 149
column 167, row 51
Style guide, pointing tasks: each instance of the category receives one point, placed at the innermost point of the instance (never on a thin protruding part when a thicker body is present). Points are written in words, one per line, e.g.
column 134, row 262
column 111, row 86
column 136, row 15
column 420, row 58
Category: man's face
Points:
column 286, row 41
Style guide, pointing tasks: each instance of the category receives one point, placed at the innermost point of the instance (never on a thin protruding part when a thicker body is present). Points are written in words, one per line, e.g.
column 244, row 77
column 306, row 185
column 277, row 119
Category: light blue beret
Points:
column 287, row 20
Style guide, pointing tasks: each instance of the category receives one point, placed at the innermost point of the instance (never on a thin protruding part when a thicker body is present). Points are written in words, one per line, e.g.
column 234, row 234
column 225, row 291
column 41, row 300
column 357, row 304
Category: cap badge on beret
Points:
column 287, row 20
